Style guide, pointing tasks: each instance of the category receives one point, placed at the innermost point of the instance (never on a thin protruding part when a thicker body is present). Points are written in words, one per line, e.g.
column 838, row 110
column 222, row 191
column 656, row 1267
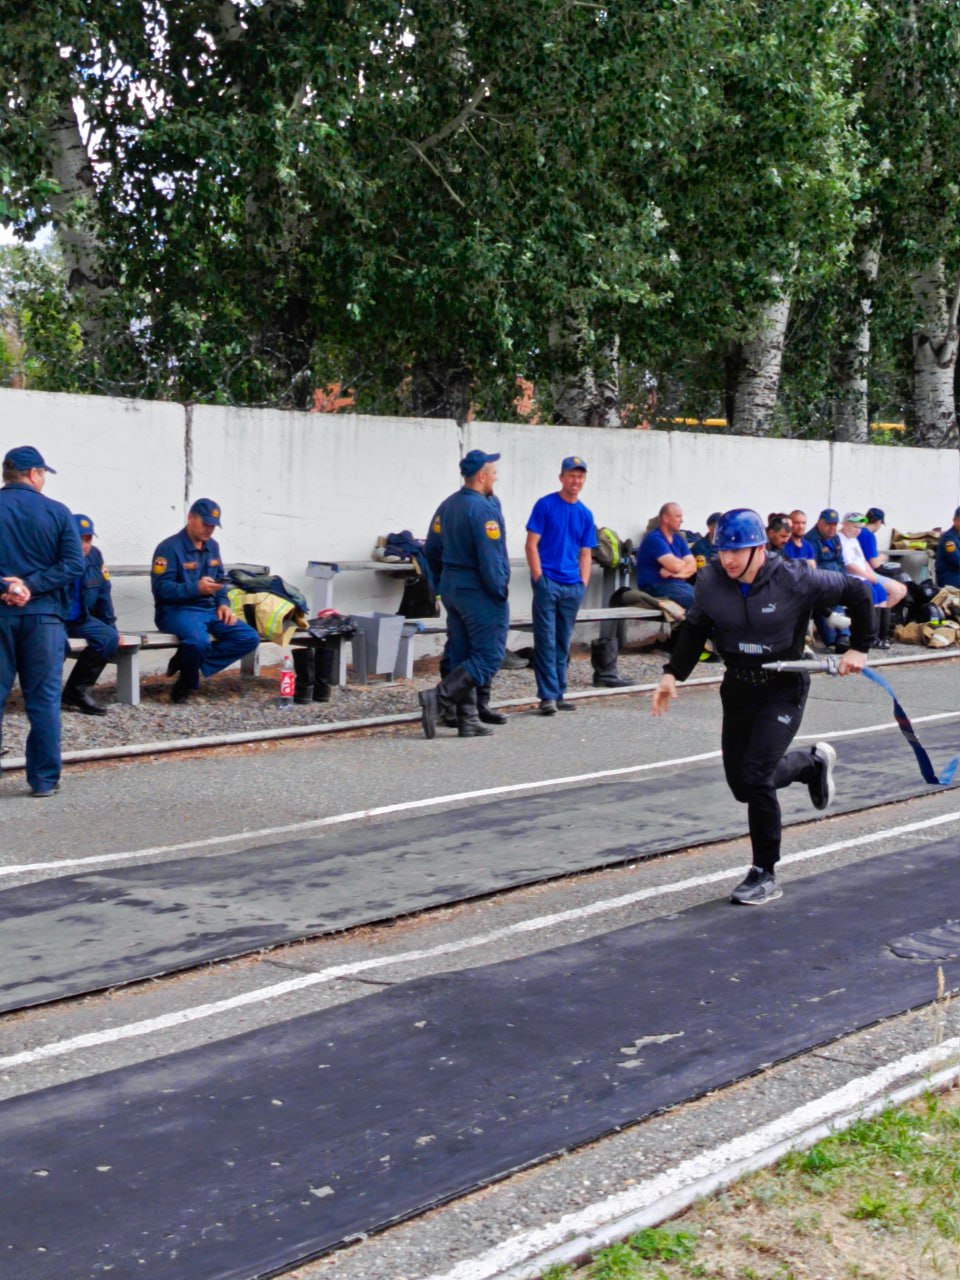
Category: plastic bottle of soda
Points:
column 288, row 681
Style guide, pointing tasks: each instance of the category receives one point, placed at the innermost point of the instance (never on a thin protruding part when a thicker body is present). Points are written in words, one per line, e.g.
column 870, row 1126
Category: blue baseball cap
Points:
column 829, row 516
column 84, row 525
column 573, row 463
column 713, row 518
column 207, row 510
column 956, row 514
column 475, row 459
column 876, row 513
column 26, row 458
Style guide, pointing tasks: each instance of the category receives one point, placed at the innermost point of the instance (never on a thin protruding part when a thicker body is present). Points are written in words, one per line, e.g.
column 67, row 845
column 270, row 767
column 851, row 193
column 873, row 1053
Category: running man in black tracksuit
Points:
column 759, row 607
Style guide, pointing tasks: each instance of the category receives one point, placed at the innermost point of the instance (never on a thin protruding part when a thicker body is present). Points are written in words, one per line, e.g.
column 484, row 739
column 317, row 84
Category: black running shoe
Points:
column 757, row 887
column 823, row 789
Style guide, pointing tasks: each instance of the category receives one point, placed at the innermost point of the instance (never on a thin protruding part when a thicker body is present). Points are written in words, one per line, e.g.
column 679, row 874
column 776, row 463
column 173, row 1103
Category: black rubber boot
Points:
column 603, row 656
column 303, row 669
column 435, row 703
column 76, row 692
column 468, row 719
column 484, row 711
column 325, row 668
column 884, row 619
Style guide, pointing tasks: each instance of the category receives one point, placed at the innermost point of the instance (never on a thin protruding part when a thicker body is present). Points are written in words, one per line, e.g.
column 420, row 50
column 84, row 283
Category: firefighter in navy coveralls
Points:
column 190, row 594
column 760, row 607
column 40, row 556
column 474, row 579
column 91, row 617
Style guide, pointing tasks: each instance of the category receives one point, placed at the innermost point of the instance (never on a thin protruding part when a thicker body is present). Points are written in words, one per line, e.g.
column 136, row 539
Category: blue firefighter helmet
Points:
column 739, row 529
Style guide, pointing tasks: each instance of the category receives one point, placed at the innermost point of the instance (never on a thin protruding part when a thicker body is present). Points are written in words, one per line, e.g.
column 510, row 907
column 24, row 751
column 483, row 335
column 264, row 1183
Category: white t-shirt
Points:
column 853, row 552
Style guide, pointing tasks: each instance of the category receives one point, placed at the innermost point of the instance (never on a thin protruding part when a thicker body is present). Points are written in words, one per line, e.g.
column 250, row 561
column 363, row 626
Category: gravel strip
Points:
column 231, row 703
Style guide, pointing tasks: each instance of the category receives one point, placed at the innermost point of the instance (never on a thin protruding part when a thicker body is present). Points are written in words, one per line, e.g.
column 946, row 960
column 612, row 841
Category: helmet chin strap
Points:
column 746, row 567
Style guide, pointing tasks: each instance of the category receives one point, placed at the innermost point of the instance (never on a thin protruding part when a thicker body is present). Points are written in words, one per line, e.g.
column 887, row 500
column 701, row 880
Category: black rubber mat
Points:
column 74, row 934
column 240, row 1158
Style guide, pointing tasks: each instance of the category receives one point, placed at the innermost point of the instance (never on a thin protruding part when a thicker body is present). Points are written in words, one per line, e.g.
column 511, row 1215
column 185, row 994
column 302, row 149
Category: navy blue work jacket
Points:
column 468, row 535
column 177, row 568
column 96, row 597
column 40, row 544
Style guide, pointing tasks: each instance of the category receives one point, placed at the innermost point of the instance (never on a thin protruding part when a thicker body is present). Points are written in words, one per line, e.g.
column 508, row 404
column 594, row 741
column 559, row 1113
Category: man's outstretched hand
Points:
column 664, row 694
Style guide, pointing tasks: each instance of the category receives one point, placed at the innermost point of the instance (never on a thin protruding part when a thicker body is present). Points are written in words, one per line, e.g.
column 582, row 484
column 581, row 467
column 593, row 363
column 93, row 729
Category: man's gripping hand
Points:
column 851, row 662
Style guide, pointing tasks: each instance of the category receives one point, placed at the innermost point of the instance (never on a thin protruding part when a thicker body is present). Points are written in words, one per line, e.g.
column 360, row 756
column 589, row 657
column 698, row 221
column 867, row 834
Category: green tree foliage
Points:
column 418, row 198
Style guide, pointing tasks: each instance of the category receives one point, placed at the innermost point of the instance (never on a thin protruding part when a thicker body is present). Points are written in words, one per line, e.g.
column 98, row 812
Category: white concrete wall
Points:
column 298, row 486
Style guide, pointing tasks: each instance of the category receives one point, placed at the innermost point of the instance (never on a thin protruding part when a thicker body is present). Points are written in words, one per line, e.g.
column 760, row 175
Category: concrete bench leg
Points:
column 404, row 663
column 128, row 677
column 358, row 646
column 250, row 663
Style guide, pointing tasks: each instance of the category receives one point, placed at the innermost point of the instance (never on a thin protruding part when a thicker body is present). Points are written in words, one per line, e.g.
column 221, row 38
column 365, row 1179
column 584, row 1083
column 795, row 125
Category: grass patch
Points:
column 877, row 1202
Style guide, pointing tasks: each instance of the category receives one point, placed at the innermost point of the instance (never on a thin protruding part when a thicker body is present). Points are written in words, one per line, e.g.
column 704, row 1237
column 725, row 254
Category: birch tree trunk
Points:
column 75, row 216
column 851, row 413
column 590, row 397
column 758, row 378
column 935, row 341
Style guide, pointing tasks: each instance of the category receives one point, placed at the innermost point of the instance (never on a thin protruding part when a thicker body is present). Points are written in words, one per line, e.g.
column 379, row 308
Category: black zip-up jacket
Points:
column 770, row 623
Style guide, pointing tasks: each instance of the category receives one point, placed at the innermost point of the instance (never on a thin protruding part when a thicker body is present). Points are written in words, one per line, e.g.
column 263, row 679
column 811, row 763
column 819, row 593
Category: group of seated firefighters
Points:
column 190, row 588
column 666, row 566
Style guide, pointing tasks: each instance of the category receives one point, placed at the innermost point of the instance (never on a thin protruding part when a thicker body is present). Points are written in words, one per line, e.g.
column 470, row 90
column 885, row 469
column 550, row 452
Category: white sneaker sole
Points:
column 828, row 757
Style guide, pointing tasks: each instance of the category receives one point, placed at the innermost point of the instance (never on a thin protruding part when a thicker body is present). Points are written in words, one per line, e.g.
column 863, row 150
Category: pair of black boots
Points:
column 314, row 667
column 458, row 703
column 75, row 695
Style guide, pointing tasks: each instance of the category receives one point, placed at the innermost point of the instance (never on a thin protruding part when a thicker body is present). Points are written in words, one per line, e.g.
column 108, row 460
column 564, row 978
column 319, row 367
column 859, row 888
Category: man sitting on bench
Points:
column 92, row 618
column 190, row 594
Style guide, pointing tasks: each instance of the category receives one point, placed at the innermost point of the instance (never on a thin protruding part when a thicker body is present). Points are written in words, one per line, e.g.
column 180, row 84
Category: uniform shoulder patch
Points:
column 159, row 564
column 106, row 573
column 949, row 546
column 492, row 530
column 436, row 524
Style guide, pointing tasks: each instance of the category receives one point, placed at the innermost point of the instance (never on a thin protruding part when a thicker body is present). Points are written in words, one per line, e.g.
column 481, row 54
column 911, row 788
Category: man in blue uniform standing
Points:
column 560, row 535
column 474, row 584
column 40, row 556
column 947, row 563
column 190, row 594
column 759, row 607
column 91, row 617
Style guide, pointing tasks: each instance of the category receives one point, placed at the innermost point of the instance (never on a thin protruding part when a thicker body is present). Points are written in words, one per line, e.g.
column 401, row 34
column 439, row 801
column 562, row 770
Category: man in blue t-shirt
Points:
column 560, row 536
column 664, row 561
column 797, row 547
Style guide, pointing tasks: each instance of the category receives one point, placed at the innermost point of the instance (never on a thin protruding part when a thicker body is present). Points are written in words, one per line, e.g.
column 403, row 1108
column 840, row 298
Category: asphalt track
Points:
column 231, row 1161
column 156, row 814
column 74, row 934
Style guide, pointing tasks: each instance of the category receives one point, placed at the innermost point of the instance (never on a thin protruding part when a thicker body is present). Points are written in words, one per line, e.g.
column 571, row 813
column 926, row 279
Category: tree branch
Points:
column 478, row 95
column 433, row 168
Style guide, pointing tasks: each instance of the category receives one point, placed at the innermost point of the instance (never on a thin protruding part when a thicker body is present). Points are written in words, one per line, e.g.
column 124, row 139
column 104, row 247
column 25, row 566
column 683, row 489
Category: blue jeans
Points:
column 669, row 589
column 207, row 645
column 31, row 647
column 555, row 607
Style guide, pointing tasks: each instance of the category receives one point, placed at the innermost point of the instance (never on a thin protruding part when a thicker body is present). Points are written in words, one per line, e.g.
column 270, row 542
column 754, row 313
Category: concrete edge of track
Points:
column 167, row 746
column 576, row 1237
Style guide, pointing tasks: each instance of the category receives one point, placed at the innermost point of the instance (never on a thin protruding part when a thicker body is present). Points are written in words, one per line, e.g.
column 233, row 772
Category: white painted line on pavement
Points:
column 276, row 990
column 529, row 1253
column 408, row 806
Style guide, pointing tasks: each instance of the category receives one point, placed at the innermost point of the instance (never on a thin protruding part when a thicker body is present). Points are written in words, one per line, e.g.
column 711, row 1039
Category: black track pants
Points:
column 759, row 723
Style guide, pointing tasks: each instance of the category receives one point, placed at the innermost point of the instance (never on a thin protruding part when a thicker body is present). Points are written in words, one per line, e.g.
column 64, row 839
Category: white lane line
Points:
column 276, row 990
column 529, row 1253
column 409, row 806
